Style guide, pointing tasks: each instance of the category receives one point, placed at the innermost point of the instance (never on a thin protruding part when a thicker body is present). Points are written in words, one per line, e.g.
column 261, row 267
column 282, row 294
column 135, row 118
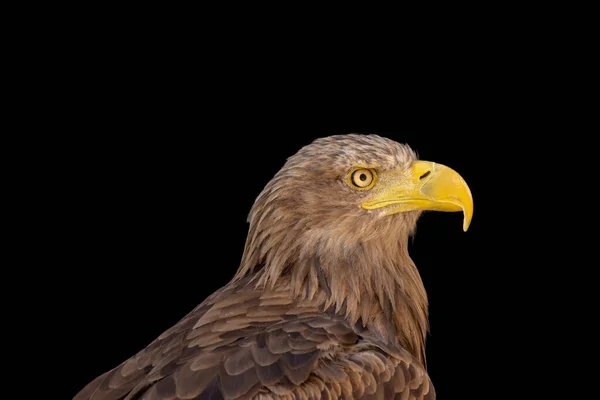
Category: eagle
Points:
column 326, row 302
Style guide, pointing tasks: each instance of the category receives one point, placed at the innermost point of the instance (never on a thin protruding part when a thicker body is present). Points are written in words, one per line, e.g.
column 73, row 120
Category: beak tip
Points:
column 466, row 222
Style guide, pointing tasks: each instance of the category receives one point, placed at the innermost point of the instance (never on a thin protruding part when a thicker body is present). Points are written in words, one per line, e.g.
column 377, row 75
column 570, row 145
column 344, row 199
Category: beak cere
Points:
column 428, row 186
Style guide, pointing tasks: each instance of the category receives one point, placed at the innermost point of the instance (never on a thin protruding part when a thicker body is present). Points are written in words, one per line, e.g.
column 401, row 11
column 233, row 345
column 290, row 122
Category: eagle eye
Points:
column 362, row 178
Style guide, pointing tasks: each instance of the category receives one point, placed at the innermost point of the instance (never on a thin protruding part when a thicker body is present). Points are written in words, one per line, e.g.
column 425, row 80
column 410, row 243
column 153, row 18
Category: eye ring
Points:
column 362, row 178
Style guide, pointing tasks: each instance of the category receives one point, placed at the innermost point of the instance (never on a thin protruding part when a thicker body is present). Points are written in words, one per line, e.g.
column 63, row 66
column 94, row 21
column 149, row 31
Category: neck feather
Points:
column 371, row 281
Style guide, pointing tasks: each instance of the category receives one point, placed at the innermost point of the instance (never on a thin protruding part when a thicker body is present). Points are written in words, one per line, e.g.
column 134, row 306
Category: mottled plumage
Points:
column 326, row 303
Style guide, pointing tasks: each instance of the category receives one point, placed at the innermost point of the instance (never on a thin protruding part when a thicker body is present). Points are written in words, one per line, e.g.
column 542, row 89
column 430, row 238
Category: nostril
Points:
column 425, row 175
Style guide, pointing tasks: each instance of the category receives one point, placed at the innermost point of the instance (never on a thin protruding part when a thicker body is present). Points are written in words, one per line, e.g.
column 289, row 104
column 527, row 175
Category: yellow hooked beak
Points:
column 428, row 186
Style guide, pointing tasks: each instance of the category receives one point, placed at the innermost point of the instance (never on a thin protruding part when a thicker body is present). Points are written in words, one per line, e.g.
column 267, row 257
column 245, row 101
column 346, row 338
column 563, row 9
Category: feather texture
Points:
column 282, row 358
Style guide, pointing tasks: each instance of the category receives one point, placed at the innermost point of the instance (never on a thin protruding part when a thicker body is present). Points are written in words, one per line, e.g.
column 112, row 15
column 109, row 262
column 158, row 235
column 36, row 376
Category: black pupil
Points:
column 363, row 177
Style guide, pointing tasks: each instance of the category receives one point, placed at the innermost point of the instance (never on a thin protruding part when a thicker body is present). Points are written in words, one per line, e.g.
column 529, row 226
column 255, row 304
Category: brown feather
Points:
column 270, row 374
column 239, row 362
column 235, row 386
column 263, row 356
column 165, row 389
column 191, row 383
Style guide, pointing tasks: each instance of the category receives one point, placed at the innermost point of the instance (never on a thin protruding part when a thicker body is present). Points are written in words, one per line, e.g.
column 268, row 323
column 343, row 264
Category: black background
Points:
column 143, row 142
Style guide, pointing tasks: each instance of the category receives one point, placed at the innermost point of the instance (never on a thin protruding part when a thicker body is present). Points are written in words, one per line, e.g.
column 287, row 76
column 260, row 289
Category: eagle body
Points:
column 326, row 302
